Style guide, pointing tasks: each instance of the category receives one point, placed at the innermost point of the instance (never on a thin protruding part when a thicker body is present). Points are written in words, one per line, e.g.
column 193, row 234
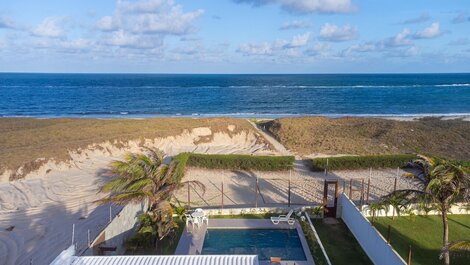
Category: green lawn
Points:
column 424, row 234
column 340, row 244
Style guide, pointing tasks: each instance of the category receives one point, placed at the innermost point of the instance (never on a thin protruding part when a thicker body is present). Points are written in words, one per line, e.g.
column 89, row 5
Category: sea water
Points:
column 147, row 95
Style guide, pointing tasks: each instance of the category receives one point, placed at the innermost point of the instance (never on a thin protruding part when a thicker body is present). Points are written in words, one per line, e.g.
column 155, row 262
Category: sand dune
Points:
column 41, row 209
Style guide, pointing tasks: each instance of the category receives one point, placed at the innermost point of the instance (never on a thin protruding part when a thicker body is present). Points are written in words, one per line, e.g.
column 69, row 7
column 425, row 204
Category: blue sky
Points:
column 235, row 36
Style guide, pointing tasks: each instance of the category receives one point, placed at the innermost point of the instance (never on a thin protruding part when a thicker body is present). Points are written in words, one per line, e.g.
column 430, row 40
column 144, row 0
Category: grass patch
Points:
column 340, row 244
column 424, row 234
column 241, row 162
column 361, row 162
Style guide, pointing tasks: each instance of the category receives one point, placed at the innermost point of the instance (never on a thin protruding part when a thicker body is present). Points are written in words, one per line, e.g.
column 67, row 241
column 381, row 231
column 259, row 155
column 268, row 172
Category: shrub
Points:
column 181, row 160
column 361, row 162
column 241, row 162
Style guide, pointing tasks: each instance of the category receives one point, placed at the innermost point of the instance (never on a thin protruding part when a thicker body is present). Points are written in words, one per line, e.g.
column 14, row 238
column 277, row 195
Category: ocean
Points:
column 148, row 95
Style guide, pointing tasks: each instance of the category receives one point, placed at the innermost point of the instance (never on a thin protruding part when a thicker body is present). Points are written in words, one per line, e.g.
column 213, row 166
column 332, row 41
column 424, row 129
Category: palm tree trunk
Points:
column 445, row 239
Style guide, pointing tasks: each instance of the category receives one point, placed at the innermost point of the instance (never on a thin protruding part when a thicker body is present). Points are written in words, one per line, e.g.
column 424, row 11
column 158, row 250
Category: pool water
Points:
column 265, row 243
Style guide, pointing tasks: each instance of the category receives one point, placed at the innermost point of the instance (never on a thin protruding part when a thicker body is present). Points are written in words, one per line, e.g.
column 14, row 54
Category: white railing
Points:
column 373, row 243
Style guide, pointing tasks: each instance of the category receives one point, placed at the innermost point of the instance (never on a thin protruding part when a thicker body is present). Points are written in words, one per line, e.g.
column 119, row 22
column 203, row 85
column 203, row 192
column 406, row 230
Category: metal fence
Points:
column 274, row 189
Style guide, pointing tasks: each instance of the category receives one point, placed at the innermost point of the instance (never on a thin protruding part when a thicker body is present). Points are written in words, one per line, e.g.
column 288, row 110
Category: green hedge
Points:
column 361, row 162
column 242, row 162
column 182, row 160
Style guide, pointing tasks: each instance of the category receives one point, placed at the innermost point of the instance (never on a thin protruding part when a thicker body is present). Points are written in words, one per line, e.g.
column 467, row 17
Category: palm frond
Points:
column 114, row 185
column 458, row 245
column 138, row 184
column 124, row 198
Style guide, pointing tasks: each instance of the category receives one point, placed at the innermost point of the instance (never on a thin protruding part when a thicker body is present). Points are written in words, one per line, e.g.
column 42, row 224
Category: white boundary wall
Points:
column 373, row 243
column 120, row 228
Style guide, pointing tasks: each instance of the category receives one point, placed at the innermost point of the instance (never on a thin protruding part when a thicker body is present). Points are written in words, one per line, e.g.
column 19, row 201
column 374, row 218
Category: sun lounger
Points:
column 275, row 260
column 284, row 218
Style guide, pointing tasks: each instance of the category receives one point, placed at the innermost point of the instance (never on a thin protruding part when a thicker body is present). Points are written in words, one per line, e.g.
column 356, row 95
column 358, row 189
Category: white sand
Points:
column 306, row 186
column 43, row 207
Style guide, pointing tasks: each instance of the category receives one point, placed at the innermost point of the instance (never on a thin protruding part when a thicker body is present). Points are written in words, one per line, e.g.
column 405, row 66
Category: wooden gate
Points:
column 331, row 203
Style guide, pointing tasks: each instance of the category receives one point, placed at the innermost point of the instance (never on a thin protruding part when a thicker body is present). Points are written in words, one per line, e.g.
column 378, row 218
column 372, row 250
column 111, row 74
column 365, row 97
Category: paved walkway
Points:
column 192, row 240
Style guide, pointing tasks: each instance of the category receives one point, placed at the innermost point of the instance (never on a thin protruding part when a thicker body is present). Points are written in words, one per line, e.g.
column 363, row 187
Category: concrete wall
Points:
column 373, row 243
column 118, row 230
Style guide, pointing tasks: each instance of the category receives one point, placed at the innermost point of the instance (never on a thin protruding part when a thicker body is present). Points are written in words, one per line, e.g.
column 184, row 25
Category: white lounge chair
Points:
column 189, row 219
column 284, row 218
column 205, row 218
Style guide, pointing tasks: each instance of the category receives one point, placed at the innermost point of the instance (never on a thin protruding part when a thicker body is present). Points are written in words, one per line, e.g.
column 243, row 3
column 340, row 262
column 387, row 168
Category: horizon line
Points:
column 271, row 73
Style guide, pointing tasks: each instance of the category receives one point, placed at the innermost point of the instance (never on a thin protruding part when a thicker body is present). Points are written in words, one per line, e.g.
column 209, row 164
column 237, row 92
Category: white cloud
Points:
column 127, row 40
column 299, row 40
column 150, row 17
column 106, row 24
column 307, row 6
column 270, row 48
column 7, row 23
column 65, row 46
column 256, row 49
column 430, row 32
column 296, row 24
column 50, row 27
column 399, row 40
column 331, row 32
column 319, row 49
column 399, row 45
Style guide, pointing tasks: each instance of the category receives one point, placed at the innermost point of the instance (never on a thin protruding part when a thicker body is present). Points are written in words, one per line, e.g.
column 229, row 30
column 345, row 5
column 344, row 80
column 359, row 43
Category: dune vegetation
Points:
column 372, row 136
column 29, row 143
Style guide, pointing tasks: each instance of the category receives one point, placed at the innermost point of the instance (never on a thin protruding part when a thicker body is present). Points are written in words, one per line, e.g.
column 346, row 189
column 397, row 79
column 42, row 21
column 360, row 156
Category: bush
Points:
column 361, row 162
column 242, row 162
column 181, row 160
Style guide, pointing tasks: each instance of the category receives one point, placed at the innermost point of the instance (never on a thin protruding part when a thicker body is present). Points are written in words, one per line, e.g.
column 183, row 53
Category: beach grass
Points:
column 424, row 234
column 24, row 140
column 372, row 136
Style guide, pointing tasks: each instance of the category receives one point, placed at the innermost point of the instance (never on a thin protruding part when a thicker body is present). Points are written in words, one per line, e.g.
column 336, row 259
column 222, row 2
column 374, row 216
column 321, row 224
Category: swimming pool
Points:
column 265, row 243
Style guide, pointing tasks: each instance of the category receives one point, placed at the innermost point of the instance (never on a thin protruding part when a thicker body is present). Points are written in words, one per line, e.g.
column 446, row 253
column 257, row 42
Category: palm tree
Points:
column 375, row 207
column 319, row 211
column 398, row 201
column 440, row 182
column 144, row 177
column 458, row 245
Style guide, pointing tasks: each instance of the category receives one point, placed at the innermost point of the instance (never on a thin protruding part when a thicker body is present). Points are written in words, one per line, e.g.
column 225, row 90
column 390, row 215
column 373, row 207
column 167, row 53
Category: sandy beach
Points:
column 37, row 212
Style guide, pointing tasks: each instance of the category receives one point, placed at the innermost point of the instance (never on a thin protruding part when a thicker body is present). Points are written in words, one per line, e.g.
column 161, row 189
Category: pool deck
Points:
column 192, row 240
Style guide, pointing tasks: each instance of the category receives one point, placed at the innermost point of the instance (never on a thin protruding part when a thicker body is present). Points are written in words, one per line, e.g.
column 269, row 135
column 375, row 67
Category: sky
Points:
column 235, row 36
